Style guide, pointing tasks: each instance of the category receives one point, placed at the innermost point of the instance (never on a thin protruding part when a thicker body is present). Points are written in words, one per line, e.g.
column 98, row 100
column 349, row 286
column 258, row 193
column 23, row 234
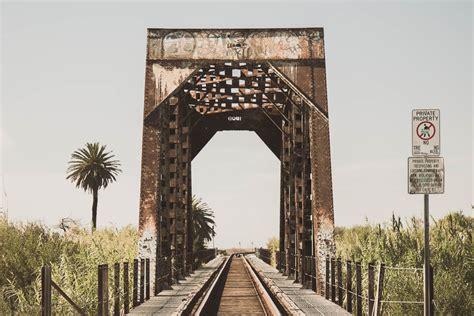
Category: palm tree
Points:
column 203, row 223
column 92, row 168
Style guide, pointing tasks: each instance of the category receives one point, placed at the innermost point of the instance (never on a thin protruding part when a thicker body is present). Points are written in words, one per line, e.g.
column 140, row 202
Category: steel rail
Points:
column 210, row 303
column 264, row 297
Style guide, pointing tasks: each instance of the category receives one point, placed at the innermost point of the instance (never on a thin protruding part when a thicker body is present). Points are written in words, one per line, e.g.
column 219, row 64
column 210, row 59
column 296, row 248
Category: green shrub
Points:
column 399, row 245
column 73, row 257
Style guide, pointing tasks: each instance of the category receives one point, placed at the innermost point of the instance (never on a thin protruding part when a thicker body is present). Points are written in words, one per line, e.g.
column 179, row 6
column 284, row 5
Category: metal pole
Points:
column 426, row 273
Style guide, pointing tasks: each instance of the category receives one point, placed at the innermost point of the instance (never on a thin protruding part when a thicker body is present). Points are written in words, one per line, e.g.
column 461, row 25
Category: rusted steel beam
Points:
column 306, row 218
column 295, row 89
column 150, row 171
column 273, row 122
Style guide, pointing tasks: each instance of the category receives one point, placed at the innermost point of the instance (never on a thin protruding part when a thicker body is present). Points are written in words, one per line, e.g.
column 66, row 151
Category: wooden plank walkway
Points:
column 167, row 302
column 239, row 296
column 306, row 301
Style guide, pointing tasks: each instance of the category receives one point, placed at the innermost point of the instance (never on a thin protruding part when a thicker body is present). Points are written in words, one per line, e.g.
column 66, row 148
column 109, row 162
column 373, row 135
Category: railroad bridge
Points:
column 270, row 81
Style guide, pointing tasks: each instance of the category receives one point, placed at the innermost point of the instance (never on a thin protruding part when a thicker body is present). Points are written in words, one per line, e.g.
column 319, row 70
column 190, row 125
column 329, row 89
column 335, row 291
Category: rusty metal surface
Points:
column 297, row 300
column 235, row 44
column 170, row 302
column 271, row 81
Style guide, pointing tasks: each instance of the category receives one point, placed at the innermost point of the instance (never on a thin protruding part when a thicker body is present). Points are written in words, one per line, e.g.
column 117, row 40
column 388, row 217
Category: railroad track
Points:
column 236, row 290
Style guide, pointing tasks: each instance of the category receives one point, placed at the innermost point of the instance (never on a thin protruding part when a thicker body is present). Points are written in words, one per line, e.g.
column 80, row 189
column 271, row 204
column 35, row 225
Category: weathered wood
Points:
column 142, row 281
column 67, row 298
column 126, row 289
column 359, row 288
column 117, row 289
column 378, row 297
column 327, row 279
column 333, row 279
column 135, row 283
column 46, row 291
column 370, row 272
column 349, row 286
column 147, row 279
column 103, row 291
column 339, row 281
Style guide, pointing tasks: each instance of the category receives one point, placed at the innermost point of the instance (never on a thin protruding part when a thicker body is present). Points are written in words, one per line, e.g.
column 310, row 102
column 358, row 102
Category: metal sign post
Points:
column 426, row 176
column 426, row 268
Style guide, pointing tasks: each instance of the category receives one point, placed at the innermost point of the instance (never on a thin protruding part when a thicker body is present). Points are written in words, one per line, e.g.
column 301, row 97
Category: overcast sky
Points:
column 74, row 73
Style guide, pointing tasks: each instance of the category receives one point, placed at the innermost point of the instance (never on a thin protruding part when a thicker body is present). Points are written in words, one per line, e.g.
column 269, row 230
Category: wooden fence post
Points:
column 142, row 281
column 117, row 289
column 103, row 290
column 333, row 279
column 378, row 298
column 370, row 272
column 327, row 278
column 156, row 288
column 349, row 286
column 359, row 288
column 313, row 274
column 46, row 291
column 135, row 283
column 147, row 278
column 339, row 281
column 126, row 289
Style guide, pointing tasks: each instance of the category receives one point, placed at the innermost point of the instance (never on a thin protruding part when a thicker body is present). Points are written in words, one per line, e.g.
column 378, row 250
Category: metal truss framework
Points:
column 199, row 82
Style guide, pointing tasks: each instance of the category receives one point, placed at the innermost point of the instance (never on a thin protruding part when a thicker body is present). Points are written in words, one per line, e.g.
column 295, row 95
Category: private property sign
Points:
column 425, row 175
column 425, row 132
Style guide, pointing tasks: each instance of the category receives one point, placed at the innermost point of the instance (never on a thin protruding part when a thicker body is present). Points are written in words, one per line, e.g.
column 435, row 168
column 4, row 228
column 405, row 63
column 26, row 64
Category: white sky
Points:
column 74, row 73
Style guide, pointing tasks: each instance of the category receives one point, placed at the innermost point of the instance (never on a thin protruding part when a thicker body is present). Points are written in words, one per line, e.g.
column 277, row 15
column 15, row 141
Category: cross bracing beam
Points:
column 311, row 103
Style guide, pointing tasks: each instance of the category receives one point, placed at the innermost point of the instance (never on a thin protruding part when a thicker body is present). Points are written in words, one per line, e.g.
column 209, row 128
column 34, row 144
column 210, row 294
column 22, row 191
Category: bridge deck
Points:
column 306, row 300
column 168, row 301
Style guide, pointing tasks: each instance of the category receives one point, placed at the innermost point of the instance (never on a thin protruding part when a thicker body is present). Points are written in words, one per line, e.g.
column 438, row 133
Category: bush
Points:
column 73, row 257
column 397, row 245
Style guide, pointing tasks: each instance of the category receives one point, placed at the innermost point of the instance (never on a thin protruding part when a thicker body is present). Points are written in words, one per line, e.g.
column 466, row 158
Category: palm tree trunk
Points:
column 95, row 200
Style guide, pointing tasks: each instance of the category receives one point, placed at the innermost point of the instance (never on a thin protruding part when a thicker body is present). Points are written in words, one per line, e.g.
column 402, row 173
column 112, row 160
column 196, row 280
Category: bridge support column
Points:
column 149, row 192
column 322, row 198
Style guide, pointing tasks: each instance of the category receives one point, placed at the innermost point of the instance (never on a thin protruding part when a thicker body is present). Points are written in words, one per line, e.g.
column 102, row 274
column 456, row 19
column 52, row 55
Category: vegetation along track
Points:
column 237, row 290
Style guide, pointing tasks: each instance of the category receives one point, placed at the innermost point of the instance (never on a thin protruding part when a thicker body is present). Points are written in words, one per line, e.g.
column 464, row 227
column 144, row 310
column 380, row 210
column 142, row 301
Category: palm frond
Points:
column 203, row 222
column 92, row 168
